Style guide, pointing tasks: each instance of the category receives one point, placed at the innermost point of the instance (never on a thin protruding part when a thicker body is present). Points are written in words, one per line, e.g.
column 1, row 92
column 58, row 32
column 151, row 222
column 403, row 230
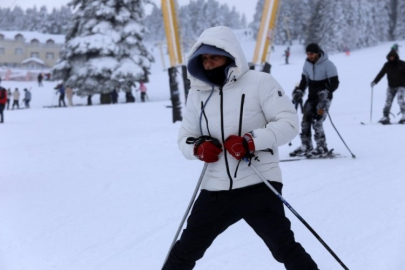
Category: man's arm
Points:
column 380, row 74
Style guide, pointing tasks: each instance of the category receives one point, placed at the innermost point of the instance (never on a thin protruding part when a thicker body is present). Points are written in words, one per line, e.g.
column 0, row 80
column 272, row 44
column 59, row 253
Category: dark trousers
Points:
column 2, row 106
column 214, row 211
column 8, row 104
column 62, row 100
column 27, row 103
column 311, row 118
column 15, row 103
column 143, row 97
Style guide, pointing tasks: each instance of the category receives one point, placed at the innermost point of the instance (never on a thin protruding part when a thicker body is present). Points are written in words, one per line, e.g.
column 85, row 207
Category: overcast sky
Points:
column 243, row 6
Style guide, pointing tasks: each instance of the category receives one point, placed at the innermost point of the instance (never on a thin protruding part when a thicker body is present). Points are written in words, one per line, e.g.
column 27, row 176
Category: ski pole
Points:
column 187, row 211
column 327, row 111
column 296, row 214
column 371, row 109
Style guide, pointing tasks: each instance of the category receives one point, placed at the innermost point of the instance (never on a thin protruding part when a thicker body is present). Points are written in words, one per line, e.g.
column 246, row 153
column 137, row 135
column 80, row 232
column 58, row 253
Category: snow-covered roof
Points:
column 33, row 59
column 28, row 36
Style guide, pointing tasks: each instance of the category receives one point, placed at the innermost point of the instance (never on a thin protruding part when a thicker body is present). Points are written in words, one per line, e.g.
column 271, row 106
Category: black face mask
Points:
column 217, row 75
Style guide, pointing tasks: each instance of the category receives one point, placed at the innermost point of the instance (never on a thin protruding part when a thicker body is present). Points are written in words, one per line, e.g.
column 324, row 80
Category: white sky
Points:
column 247, row 7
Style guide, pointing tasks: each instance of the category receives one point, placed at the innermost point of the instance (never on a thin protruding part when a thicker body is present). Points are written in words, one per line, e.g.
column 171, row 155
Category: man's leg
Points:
column 391, row 92
column 319, row 136
column 264, row 212
column 211, row 215
column 1, row 113
column 401, row 103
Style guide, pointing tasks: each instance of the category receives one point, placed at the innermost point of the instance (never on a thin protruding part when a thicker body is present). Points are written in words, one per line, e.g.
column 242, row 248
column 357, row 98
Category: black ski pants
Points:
column 214, row 211
column 2, row 106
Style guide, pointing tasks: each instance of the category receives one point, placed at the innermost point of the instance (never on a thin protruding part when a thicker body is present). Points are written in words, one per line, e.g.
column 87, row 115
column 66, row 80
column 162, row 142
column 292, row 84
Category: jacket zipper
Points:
column 223, row 137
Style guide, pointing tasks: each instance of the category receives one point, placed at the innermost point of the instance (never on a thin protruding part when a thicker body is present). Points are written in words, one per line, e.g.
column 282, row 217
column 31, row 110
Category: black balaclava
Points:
column 217, row 75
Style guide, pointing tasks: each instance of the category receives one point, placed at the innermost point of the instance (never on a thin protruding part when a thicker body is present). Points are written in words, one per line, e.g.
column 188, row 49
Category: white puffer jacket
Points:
column 267, row 111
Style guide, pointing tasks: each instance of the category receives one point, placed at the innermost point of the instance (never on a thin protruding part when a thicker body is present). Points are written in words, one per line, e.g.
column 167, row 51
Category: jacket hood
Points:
column 322, row 58
column 393, row 53
column 223, row 42
column 195, row 64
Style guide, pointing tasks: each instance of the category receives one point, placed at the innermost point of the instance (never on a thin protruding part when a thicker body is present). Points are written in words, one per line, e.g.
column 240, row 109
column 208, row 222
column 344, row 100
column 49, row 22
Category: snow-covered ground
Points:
column 105, row 187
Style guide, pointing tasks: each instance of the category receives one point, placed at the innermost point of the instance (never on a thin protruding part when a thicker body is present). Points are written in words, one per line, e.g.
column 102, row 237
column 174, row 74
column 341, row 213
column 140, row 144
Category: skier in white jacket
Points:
column 234, row 112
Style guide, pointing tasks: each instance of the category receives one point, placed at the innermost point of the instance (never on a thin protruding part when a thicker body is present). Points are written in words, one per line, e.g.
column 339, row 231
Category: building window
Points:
column 2, row 51
column 34, row 41
column 35, row 55
column 18, row 51
column 50, row 42
column 50, row 55
column 19, row 37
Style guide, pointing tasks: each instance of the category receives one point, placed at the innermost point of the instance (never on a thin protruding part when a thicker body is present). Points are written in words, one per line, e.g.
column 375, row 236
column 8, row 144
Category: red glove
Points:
column 207, row 149
column 239, row 147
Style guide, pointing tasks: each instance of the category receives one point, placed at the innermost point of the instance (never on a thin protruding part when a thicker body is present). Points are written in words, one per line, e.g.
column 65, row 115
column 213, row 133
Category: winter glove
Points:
column 207, row 148
column 239, row 147
column 372, row 84
column 297, row 95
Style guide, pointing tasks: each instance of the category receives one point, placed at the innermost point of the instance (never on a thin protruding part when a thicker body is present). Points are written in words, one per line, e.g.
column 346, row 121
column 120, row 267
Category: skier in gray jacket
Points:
column 234, row 112
column 321, row 77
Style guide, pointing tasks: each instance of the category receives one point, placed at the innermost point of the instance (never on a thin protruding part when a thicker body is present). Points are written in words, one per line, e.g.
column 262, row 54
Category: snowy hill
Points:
column 105, row 187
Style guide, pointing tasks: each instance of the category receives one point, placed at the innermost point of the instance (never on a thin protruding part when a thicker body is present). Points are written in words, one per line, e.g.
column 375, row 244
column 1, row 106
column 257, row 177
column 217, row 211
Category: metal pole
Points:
column 296, row 214
column 187, row 211
column 371, row 109
column 353, row 156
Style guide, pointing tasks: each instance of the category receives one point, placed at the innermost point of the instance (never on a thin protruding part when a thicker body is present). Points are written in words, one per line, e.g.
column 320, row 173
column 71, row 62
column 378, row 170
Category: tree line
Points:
column 38, row 20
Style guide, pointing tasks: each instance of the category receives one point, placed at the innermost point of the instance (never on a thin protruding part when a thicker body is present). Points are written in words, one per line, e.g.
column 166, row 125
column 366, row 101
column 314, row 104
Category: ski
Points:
column 329, row 155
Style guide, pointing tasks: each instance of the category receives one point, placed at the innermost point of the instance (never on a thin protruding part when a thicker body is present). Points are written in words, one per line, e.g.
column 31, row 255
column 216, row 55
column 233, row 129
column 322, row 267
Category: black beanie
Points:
column 313, row 48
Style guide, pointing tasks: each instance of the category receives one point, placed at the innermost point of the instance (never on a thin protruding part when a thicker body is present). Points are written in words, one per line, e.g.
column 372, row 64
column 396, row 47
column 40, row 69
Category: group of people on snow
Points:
column 236, row 118
column 6, row 96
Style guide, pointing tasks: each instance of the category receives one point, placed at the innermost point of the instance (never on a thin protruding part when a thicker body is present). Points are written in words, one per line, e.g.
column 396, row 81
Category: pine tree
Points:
column 399, row 32
column 104, row 48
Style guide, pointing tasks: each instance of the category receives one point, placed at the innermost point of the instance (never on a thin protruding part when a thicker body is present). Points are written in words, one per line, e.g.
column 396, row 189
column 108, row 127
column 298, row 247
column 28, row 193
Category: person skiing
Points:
column 61, row 91
column 27, row 98
column 9, row 95
column 69, row 95
column 143, row 90
column 3, row 101
column 287, row 55
column 233, row 112
column 40, row 78
column 16, row 99
column 321, row 77
column 395, row 70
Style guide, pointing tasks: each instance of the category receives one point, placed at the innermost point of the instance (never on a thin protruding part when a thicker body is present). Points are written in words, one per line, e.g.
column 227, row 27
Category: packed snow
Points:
column 105, row 187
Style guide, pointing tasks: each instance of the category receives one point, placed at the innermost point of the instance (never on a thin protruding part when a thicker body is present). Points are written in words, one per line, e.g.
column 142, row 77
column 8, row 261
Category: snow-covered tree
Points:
column 399, row 32
column 104, row 48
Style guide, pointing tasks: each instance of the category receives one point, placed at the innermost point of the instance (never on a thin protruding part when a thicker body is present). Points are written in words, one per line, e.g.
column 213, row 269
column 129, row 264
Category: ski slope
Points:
column 105, row 187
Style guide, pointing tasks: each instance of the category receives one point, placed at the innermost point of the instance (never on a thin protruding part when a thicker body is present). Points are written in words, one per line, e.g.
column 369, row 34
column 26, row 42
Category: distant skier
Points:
column 321, row 77
column 3, row 101
column 40, row 78
column 16, row 99
column 27, row 98
column 287, row 55
column 395, row 70
column 214, row 132
column 143, row 90
column 61, row 91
